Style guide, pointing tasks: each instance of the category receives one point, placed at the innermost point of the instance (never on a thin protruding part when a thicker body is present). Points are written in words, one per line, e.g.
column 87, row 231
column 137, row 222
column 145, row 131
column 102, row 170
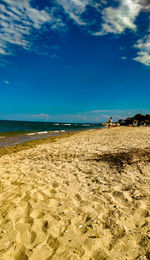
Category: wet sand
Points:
column 86, row 196
column 23, row 138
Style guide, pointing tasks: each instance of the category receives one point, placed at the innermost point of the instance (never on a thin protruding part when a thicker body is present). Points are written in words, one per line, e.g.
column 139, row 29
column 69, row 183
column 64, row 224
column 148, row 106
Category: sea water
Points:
column 13, row 132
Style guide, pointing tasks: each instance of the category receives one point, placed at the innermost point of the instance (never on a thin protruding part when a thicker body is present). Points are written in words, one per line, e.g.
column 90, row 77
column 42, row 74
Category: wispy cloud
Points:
column 85, row 117
column 41, row 116
column 77, row 11
column 143, row 54
column 74, row 8
column 123, row 58
column 114, row 19
column 97, row 116
column 100, row 111
column 6, row 82
column 18, row 20
column 54, row 56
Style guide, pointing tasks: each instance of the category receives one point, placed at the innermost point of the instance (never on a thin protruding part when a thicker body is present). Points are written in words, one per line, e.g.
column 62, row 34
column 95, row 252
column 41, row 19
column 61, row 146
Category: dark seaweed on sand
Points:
column 121, row 159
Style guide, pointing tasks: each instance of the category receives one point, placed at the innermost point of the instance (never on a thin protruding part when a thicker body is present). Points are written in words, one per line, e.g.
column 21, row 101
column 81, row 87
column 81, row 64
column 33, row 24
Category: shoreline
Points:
column 8, row 139
column 15, row 139
column 9, row 149
column 81, row 196
column 28, row 144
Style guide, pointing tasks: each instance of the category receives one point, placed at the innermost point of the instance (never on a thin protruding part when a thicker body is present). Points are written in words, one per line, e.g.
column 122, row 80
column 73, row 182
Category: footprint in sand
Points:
column 19, row 253
column 99, row 254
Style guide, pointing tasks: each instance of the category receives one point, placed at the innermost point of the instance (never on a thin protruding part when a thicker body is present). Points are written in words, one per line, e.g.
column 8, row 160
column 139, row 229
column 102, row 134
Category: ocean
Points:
column 14, row 132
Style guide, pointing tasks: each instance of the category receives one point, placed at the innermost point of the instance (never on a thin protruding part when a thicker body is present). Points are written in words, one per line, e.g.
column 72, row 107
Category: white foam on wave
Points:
column 44, row 132
column 31, row 134
column 56, row 124
column 62, row 131
column 56, row 131
column 66, row 124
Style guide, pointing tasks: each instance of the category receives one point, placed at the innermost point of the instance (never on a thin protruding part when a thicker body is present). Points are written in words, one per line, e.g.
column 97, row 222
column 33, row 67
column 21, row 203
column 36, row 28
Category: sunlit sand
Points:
column 85, row 196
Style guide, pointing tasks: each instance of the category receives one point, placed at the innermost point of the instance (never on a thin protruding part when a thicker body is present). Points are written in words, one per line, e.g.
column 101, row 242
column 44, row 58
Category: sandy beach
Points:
column 86, row 196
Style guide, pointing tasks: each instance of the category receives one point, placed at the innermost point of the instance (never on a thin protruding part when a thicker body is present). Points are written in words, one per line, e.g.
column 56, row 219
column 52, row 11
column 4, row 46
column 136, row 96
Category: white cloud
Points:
column 44, row 115
column 118, row 19
column 6, row 82
column 100, row 111
column 143, row 55
column 41, row 116
column 146, row 5
column 76, row 18
column 114, row 19
column 77, row 117
column 17, row 20
column 123, row 58
column 54, row 56
column 74, row 8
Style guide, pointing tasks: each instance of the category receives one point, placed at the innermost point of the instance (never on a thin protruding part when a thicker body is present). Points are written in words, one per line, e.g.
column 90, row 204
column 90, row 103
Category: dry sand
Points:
column 86, row 196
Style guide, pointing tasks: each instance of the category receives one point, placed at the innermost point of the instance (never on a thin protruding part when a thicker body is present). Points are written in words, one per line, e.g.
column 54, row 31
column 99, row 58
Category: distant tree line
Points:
column 137, row 120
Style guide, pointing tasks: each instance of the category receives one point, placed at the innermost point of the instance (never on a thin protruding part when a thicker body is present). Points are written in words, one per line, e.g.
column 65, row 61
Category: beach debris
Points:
column 53, row 191
column 3, row 232
column 77, row 197
column 60, row 203
column 125, row 227
column 15, row 243
column 55, row 184
column 76, row 251
column 95, row 236
column 80, row 226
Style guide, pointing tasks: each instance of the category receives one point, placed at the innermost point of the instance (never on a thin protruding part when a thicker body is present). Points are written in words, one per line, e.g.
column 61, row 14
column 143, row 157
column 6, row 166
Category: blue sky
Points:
column 74, row 60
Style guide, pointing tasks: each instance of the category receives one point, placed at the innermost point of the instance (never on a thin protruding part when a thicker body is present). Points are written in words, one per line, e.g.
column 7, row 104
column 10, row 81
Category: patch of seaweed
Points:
column 120, row 160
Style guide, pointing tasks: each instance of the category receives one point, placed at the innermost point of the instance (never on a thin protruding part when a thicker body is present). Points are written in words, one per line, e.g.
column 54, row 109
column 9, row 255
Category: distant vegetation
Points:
column 137, row 120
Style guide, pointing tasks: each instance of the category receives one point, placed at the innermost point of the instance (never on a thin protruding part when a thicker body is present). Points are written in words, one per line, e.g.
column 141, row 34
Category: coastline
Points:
column 83, row 195
column 6, row 147
column 13, row 148
column 11, row 138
